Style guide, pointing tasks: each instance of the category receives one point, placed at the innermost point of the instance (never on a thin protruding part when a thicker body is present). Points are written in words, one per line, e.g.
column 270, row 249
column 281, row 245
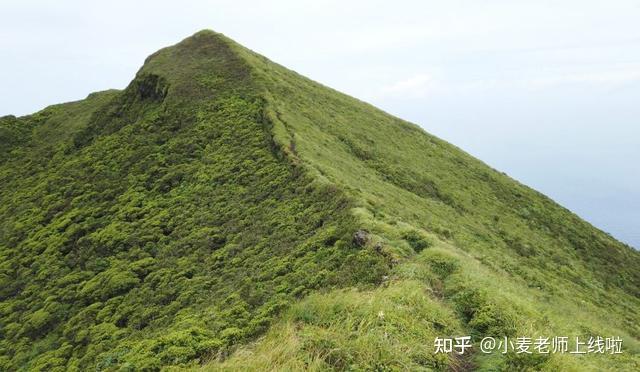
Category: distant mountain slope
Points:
column 175, row 221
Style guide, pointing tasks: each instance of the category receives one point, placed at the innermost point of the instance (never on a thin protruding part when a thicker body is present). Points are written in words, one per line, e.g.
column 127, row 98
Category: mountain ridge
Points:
column 265, row 196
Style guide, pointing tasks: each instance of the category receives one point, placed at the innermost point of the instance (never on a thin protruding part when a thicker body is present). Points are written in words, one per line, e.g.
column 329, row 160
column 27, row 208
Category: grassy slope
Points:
column 503, row 258
column 161, row 224
column 169, row 223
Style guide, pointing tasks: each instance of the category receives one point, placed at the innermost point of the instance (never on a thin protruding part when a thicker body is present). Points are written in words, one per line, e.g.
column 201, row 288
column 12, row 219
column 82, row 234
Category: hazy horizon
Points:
column 545, row 92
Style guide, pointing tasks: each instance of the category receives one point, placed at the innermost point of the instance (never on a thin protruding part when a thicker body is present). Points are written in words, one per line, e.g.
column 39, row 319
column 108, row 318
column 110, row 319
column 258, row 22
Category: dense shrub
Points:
column 416, row 240
column 164, row 218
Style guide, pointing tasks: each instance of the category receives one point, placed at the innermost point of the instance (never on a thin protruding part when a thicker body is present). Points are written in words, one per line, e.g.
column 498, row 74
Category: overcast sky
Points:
column 546, row 91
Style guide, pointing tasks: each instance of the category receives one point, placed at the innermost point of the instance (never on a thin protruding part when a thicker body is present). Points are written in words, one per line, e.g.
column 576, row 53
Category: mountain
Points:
column 223, row 212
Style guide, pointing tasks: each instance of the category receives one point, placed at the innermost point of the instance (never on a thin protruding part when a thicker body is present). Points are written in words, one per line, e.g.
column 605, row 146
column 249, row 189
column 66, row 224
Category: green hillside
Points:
column 223, row 212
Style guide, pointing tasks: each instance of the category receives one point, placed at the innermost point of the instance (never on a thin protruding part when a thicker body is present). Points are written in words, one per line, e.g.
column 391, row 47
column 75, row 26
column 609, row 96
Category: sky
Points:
column 546, row 91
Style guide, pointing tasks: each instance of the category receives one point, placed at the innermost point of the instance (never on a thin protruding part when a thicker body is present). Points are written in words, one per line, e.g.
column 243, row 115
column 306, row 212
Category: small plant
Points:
column 416, row 240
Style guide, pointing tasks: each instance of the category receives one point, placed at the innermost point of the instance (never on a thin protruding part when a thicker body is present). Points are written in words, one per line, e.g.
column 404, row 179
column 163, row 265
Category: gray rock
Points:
column 360, row 238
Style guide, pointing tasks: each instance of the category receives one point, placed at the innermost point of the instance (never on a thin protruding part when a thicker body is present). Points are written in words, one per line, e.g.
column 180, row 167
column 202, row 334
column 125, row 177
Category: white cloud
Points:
column 592, row 78
column 422, row 85
column 417, row 86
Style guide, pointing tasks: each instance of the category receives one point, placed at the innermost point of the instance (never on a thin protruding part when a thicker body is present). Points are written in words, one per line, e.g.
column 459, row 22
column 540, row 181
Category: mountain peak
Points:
column 222, row 197
column 198, row 66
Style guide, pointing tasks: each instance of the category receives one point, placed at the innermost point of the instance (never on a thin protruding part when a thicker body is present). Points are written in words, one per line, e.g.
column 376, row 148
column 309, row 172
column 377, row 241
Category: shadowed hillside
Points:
column 225, row 212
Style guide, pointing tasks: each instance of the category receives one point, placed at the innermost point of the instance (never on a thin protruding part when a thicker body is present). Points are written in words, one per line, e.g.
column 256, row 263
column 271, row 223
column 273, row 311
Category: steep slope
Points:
column 159, row 224
column 508, row 260
column 172, row 222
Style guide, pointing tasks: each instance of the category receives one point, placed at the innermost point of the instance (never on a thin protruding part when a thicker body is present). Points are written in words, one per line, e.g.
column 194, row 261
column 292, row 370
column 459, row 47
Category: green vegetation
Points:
column 161, row 224
column 224, row 212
